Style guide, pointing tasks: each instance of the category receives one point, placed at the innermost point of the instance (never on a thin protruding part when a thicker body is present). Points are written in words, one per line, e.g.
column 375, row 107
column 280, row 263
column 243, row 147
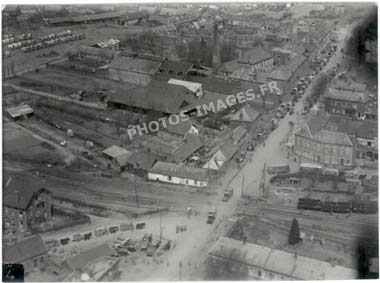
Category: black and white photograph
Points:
column 189, row 141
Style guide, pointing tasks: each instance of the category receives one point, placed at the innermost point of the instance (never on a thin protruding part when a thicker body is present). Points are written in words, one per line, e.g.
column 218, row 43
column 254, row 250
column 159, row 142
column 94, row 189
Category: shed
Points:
column 19, row 112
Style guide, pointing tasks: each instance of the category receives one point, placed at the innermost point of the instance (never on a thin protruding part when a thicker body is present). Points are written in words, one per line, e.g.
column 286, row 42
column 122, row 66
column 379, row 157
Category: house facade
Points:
column 344, row 102
column 25, row 205
column 179, row 174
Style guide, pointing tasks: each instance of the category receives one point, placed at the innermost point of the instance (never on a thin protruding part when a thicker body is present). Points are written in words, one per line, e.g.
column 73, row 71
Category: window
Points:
column 35, row 262
column 259, row 273
column 369, row 143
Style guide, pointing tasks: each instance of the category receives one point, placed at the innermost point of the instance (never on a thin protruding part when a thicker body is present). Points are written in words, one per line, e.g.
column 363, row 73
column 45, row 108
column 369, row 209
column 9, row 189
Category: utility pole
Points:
column 262, row 181
column 242, row 188
column 137, row 197
column 180, row 270
column 159, row 207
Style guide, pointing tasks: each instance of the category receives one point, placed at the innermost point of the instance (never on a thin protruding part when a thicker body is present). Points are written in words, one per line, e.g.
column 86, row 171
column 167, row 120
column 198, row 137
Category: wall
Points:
column 176, row 180
column 324, row 154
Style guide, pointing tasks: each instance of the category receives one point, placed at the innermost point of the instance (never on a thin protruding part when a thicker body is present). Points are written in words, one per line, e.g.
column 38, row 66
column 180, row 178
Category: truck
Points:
column 227, row 194
column 211, row 216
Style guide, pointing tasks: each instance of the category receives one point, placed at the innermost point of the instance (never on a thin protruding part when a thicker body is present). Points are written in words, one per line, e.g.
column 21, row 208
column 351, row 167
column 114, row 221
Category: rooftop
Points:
column 184, row 151
column 255, row 55
column 181, row 171
column 20, row 110
column 137, row 63
column 278, row 261
column 346, row 95
column 19, row 190
column 81, row 260
column 115, row 151
column 173, row 69
column 24, row 250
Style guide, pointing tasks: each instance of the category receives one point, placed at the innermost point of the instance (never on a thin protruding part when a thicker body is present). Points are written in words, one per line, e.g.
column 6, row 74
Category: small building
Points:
column 245, row 116
column 179, row 174
column 173, row 70
column 26, row 203
column 111, row 44
column 195, row 88
column 344, row 102
column 80, row 261
column 182, row 129
column 185, row 150
column 20, row 112
column 221, row 156
column 31, row 253
column 141, row 162
column 117, row 155
column 96, row 54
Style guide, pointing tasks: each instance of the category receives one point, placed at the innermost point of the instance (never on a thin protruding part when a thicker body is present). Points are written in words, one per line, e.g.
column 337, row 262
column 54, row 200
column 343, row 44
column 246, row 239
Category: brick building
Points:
column 26, row 203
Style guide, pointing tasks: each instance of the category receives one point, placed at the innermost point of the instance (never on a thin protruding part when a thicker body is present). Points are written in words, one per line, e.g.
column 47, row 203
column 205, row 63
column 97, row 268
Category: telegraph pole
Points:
column 159, row 207
column 262, row 181
column 242, row 188
column 137, row 197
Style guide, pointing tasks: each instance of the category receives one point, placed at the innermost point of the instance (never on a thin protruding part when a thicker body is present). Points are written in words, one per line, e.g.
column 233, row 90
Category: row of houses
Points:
column 168, row 156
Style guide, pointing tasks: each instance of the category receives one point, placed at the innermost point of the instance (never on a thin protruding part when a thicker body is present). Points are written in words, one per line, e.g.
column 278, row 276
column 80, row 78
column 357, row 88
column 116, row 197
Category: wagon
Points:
column 113, row 229
column 64, row 241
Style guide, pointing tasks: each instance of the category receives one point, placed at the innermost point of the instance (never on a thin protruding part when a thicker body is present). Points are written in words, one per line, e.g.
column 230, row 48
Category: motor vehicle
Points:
column 131, row 248
column 166, row 245
column 250, row 147
column 77, row 238
column 291, row 112
column 211, row 216
column 63, row 143
column 240, row 158
column 64, row 241
column 151, row 250
column 227, row 194
column 113, row 229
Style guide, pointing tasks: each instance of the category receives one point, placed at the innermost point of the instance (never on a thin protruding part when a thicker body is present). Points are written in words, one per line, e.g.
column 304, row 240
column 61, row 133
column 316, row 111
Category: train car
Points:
column 338, row 207
column 364, row 206
column 309, row 204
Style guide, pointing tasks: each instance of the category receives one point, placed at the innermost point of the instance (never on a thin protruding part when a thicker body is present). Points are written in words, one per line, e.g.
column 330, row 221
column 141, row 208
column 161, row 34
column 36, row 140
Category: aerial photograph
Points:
column 195, row 141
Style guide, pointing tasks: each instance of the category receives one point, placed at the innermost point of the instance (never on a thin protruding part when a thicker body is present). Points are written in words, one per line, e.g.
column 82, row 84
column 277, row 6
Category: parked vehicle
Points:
column 77, row 238
column 227, row 194
column 278, row 169
column 211, row 216
column 87, row 236
column 113, row 229
column 65, row 241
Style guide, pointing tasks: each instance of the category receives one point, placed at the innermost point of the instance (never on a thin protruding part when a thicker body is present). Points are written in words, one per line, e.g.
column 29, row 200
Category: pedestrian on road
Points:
column 176, row 227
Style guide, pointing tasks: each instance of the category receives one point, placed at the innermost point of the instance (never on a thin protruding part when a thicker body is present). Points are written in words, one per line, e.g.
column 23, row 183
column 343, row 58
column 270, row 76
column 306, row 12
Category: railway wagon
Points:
column 364, row 206
column 309, row 204
column 338, row 207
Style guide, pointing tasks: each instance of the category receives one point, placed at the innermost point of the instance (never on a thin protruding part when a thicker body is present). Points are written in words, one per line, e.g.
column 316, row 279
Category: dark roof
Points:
column 19, row 190
column 215, row 85
column 157, row 96
column 105, row 53
column 192, row 144
column 228, row 148
column 346, row 95
column 317, row 123
column 255, row 55
column 84, row 258
column 136, row 15
column 181, row 128
column 139, row 63
column 24, row 250
column 173, row 69
column 181, row 171
column 362, row 129
column 143, row 160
